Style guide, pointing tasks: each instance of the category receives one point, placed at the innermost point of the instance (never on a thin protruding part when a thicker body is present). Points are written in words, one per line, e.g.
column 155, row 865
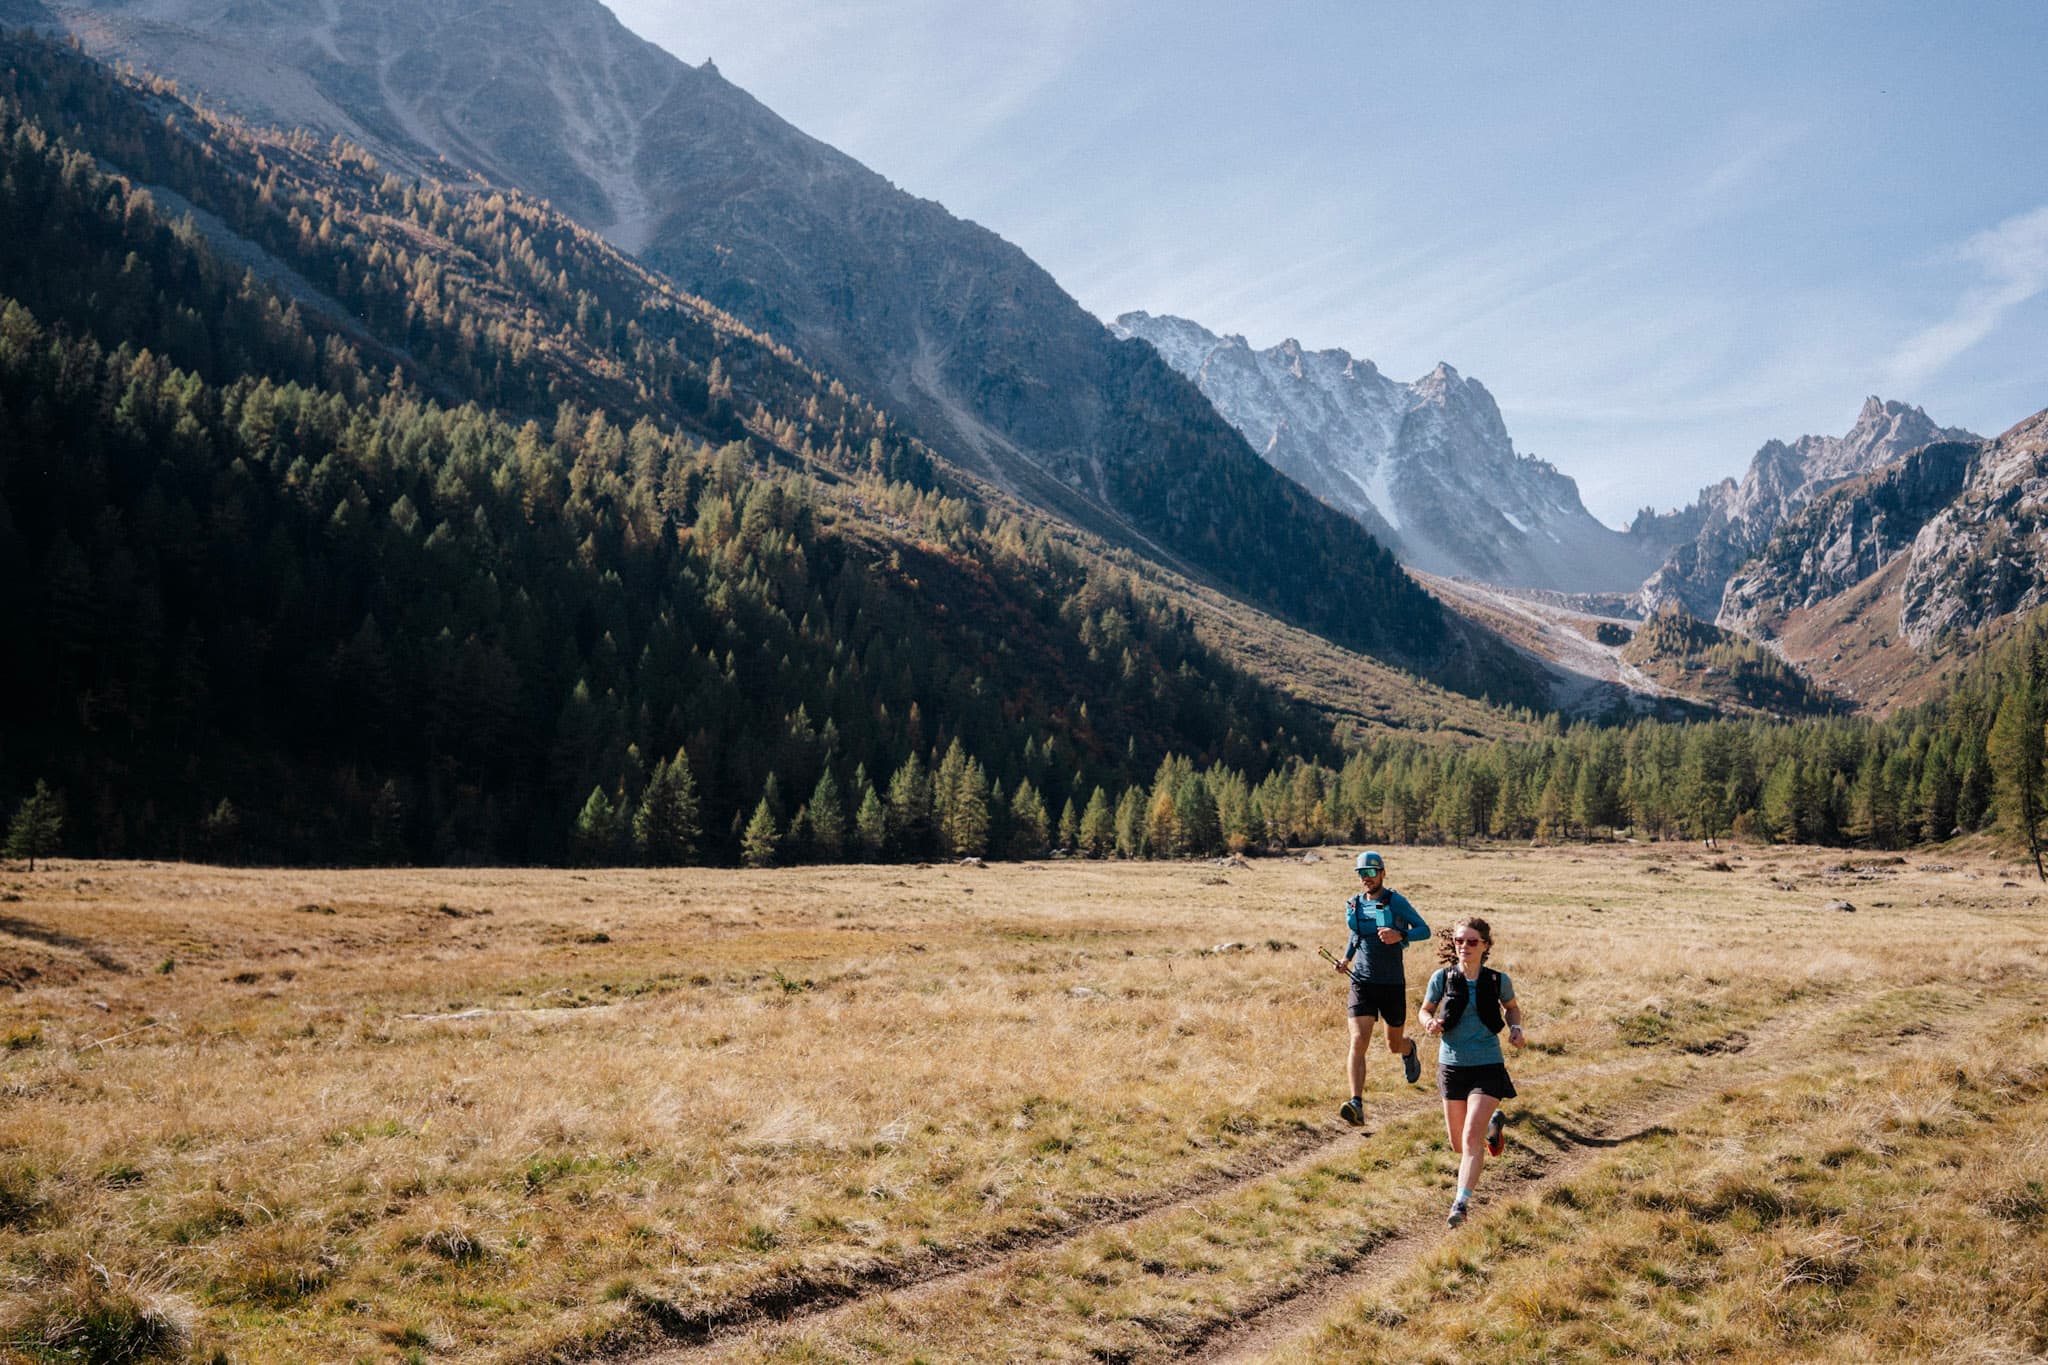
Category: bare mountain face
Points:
column 1427, row 467
column 954, row 330
column 1737, row 520
column 1843, row 537
column 552, row 99
column 1957, row 531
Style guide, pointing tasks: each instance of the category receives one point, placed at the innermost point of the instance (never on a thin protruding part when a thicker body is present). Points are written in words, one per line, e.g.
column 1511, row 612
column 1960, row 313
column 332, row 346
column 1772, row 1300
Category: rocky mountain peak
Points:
column 1783, row 478
column 1428, row 466
column 1444, row 381
column 1883, row 573
column 1883, row 431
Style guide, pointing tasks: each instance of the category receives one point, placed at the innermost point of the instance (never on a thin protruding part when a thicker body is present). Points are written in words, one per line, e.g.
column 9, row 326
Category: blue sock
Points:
column 1464, row 1196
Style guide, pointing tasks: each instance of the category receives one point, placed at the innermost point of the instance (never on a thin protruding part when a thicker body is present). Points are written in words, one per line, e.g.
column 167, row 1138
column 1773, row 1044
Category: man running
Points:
column 1383, row 923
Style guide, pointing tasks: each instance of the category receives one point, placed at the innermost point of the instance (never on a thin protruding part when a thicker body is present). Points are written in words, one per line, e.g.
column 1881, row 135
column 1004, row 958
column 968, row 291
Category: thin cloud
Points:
column 2012, row 260
column 1764, row 148
column 885, row 118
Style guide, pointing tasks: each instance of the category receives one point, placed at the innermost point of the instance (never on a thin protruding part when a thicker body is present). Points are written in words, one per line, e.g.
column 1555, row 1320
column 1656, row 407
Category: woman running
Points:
column 1466, row 1002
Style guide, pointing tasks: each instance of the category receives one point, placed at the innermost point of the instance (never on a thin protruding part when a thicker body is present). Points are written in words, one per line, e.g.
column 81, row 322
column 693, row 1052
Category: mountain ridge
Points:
column 1738, row 517
column 1427, row 465
column 1889, row 578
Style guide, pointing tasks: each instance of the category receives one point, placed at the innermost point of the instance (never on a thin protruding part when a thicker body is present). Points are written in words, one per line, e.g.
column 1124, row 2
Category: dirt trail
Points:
column 1266, row 1328
column 822, row 1306
column 821, row 1303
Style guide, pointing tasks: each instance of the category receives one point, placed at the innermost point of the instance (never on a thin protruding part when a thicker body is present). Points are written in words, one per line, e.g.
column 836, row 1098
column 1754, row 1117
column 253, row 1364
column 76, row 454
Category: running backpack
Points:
column 1364, row 917
column 1457, row 991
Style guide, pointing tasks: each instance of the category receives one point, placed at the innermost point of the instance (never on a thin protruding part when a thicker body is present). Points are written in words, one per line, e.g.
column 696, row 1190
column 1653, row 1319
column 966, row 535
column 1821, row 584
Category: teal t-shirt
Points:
column 1467, row 1043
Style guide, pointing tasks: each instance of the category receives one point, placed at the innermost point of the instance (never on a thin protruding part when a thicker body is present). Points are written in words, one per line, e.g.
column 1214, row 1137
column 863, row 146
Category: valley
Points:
column 626, row 743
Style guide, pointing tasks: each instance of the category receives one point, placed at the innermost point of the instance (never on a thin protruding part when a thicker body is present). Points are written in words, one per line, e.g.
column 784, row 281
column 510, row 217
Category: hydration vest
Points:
column 1457, row 992
column 1364, row 916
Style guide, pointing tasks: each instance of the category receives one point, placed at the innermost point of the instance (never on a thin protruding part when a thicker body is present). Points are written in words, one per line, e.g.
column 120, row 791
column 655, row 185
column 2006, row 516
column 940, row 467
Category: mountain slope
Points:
column 1738, row 519
column 956, row 331
column 514, row 522
column 1427, row 467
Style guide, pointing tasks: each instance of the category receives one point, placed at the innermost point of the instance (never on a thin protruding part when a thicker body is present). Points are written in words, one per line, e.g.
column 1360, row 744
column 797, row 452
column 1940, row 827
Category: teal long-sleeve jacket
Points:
column 1381, row 962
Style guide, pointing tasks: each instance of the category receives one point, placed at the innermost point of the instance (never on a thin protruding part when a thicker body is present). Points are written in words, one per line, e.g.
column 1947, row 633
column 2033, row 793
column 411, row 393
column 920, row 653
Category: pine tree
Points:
column 828, row 819
column 37, row 830
column 665, row 827
column 910, row 809
column 1935, row 800
column 1162, row 837
column 1973, row 793
column 757, row 845
column 1780, row 809
column 1703, row 779
column 221, row 831
column 387, row 825
column 1255, row 828
column 1070, row 826
column 871, row 825
column 1553, row 807
column 1028, row 827
column 946, row 782
column 1194, row 816
column 797, row 844
column 2016, row 749
column 966, row 827
column 1098, row 826
column 595, row 837
column 1130, row 823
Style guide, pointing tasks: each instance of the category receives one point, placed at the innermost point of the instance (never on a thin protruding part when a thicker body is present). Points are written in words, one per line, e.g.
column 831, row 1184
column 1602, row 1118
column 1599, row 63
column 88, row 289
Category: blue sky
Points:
column 1660, row 234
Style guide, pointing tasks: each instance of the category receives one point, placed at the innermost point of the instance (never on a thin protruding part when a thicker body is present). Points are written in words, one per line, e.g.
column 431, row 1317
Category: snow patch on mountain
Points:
column 1427, row 466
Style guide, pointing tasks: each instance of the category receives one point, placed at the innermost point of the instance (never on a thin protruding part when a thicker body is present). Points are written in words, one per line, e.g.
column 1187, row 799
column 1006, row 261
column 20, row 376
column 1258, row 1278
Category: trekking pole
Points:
column 1329, row 957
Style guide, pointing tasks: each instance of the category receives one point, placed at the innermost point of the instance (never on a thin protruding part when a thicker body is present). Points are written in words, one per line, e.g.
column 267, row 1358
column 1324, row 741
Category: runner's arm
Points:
column 1432, row 996
column 1417, row 930
column 1511, row 1010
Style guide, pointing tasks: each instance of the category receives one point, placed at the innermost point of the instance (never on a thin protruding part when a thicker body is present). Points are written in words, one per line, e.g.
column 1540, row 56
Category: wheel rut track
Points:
column 802, row 1299
column 1266, row 1326
column 819, row 1301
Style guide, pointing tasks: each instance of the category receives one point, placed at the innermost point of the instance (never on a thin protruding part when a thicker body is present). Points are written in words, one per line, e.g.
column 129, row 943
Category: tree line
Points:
column 1972, row 762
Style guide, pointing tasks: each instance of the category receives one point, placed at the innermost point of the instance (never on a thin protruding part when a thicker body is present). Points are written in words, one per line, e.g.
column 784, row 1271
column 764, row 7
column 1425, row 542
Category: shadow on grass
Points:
column 1564, row 1135
column 36, row 933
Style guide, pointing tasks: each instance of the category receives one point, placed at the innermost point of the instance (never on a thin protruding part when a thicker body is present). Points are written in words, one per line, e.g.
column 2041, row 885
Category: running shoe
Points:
column 1457, row 1214
column 1352, row 1112
column 1411, row 1063
column 1496, row 1134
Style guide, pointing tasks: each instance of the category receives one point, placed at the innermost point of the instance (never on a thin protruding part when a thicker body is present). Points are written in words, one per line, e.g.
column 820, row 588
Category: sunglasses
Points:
column 1468, row 942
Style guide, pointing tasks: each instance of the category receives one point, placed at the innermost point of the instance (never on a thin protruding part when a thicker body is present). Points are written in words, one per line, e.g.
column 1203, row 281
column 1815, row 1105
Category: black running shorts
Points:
column 1459, row 1082
column 1387, row 1000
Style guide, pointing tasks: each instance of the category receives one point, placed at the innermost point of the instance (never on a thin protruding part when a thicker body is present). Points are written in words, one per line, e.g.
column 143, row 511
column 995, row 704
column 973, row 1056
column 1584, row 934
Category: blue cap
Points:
column 1371, row 862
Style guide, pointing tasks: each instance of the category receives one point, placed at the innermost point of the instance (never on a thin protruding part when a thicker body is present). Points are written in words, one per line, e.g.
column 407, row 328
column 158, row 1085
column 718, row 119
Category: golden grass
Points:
column 1886, row 1209
column 517, row 1115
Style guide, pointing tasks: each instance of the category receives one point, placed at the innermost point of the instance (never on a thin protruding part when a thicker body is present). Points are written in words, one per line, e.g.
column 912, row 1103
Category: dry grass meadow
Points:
column 1052, row 1112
